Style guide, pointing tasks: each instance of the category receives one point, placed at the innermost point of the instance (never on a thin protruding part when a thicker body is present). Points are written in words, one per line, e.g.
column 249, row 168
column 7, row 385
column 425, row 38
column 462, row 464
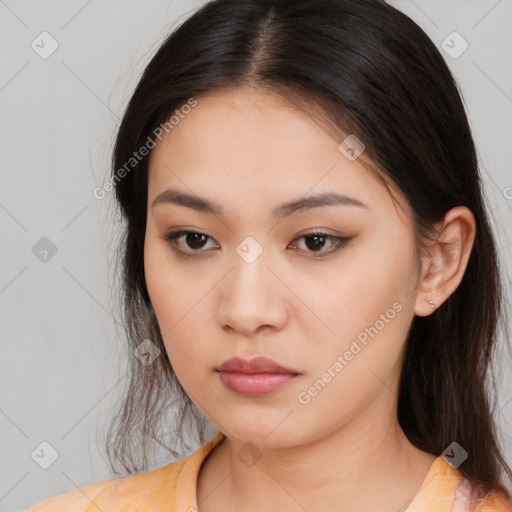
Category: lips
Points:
column 256, row 365
column 253, row 377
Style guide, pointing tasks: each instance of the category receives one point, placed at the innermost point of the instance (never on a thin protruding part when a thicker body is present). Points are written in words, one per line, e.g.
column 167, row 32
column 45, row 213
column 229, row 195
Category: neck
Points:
column 368, row 463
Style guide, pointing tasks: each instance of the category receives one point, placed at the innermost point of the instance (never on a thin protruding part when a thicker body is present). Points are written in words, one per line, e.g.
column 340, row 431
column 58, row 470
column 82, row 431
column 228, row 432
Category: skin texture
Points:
column 250, row 151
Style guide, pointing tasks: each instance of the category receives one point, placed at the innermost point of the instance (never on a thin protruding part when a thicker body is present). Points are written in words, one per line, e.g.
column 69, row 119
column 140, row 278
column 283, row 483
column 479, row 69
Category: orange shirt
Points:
column 172, row 488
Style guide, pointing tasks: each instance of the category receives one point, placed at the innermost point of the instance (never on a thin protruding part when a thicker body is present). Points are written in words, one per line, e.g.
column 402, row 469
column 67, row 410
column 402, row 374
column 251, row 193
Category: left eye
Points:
column 314, row 242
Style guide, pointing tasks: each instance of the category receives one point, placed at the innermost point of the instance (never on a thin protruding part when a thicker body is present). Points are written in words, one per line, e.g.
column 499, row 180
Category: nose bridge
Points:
column 250, row 293
column 249, row 279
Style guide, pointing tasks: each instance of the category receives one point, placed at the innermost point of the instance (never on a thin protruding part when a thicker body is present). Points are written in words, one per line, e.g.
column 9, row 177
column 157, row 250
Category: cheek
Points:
column 369, row 306
column 164, row 289
column 364, row 284
column 171, row 289
column 180, row 312
column 370, row 315
column 160, row 281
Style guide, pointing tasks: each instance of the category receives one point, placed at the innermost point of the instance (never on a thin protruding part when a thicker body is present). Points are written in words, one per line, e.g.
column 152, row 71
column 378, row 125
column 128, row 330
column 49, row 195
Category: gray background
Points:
column 61, row 359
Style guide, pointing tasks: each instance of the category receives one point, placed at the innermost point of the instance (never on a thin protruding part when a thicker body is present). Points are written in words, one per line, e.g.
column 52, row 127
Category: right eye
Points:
column 194, row 240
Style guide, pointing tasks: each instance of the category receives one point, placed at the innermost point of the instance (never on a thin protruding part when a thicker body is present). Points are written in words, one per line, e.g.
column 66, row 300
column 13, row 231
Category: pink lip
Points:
column 255, row 365
column 258, row 376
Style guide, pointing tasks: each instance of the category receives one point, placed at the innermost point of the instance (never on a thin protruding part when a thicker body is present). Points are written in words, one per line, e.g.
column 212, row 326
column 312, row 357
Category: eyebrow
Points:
column 201, row 204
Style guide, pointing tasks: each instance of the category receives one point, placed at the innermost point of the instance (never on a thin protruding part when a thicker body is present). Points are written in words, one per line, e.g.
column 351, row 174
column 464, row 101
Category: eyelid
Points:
column 338, row 242
column 173, row 235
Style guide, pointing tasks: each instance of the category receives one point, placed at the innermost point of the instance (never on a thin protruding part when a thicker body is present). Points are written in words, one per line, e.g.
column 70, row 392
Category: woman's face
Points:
column 250, row 284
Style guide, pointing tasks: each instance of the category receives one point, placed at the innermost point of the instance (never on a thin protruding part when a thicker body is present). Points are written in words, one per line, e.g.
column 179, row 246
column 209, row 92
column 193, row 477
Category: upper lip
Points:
column 255, row 365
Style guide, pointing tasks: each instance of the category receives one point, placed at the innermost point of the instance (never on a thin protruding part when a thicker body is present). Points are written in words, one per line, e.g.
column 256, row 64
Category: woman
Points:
column 308, row 265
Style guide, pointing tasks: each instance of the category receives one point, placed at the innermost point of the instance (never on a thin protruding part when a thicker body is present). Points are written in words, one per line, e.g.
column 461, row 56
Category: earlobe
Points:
column 445, row 264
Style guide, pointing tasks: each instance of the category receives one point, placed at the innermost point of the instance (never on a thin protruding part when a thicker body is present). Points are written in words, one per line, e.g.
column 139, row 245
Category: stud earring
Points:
column 432, row 305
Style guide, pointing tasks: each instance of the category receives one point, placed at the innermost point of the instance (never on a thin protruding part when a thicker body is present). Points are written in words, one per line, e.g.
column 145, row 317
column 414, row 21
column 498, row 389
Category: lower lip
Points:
column 253, row 384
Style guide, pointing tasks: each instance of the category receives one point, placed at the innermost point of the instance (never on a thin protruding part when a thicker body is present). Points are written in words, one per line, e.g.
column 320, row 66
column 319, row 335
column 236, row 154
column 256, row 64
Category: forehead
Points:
column 254, row 121
column 247, row 144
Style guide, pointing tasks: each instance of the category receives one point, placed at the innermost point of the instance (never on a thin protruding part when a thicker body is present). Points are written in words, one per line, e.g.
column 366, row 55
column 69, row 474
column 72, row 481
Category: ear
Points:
column 446, row 259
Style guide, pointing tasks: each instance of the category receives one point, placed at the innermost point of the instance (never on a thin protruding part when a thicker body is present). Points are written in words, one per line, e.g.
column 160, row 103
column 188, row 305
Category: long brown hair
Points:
column 376, row 74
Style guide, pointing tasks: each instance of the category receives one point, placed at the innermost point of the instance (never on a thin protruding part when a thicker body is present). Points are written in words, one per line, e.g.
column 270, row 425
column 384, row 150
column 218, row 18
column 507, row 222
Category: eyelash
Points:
column 337, row 242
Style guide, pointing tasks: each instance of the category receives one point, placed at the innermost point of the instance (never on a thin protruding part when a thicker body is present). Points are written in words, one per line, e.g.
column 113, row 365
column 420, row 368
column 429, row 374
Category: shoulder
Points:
column 122, row 493
column 445, row 489
column 494, row 502
column 158, row 490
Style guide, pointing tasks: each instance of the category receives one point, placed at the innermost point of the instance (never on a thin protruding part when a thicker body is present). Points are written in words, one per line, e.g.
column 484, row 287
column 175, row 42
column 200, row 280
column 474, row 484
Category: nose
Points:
column 252, row 299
